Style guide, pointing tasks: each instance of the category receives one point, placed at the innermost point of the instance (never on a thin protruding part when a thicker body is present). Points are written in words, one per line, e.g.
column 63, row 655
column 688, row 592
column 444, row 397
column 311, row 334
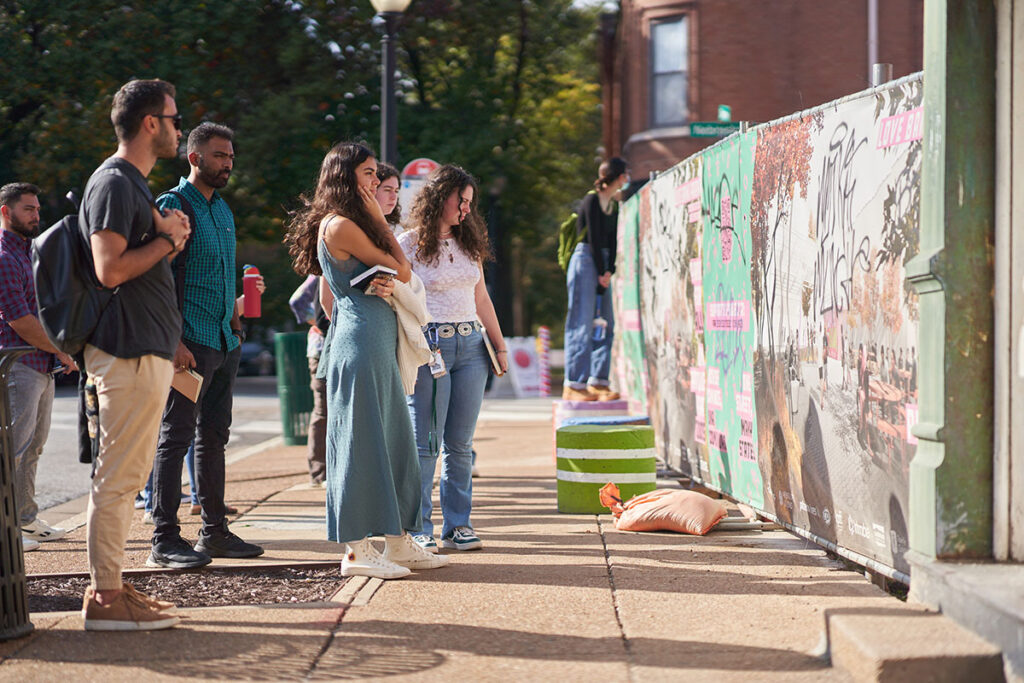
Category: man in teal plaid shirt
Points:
column 211, row 346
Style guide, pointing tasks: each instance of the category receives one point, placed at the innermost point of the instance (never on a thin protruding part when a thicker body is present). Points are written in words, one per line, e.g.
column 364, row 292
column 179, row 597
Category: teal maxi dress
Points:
column 373, row 471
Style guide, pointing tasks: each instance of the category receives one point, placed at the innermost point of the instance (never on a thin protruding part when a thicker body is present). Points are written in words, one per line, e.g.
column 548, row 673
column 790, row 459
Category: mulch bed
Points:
column 205, row 588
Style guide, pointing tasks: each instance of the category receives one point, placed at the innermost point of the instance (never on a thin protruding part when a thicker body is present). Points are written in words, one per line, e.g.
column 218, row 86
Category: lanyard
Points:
column 432, row 338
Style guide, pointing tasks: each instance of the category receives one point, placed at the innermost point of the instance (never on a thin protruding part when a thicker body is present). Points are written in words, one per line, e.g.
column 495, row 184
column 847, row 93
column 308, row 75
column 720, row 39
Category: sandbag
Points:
column 686, row 512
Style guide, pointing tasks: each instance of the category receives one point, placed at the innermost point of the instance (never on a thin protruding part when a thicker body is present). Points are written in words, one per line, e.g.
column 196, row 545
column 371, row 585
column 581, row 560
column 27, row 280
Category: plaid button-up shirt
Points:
column 209, row 270
column 18, row 297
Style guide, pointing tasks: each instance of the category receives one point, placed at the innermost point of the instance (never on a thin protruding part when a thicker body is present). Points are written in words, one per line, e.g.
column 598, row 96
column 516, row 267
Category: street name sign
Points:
column 713, row 129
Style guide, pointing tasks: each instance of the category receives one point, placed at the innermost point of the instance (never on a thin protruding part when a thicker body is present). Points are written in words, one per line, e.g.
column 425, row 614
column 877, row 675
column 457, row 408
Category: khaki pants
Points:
column 132, row 393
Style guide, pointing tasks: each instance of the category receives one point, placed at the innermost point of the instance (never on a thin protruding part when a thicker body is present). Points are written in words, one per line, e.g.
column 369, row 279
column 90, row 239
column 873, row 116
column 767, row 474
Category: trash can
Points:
column 293, row 391
column 14, row 621
column 590, row 456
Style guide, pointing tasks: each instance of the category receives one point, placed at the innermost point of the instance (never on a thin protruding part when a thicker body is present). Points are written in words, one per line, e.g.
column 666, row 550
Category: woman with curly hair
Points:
column 387, row 195
column 447, row 245
column 373, row 483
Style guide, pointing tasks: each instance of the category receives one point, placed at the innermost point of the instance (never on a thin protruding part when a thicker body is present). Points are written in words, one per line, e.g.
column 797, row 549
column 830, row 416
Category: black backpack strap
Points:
column 179, row 261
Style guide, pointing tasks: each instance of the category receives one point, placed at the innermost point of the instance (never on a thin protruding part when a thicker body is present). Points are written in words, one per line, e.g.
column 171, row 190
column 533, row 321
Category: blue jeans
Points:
column 586, row 361
column 190, row 465
column 444, row 414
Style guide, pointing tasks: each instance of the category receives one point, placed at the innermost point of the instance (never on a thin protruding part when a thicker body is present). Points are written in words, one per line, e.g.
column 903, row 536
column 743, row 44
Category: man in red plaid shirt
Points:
column 30, row 385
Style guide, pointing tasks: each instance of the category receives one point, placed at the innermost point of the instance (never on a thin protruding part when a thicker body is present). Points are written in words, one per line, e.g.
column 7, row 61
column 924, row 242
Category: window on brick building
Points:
column 668, row 72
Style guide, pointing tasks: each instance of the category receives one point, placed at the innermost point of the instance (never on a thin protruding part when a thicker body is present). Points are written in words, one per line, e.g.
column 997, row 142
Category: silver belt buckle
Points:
column 465, row 329
column 446, row 331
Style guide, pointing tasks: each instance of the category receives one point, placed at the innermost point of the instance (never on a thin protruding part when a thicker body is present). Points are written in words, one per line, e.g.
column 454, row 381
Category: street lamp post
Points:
column 390, row 11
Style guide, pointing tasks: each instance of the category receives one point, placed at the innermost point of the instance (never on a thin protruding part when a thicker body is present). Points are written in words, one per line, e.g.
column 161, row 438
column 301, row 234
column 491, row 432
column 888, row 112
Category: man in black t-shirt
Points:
column 129, row 355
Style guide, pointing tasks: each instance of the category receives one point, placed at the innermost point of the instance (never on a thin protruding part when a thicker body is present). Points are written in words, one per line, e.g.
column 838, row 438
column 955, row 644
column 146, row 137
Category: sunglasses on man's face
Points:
column 175, row 119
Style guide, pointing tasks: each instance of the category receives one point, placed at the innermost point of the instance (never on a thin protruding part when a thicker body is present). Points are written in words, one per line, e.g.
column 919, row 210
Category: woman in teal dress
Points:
column 373, row 478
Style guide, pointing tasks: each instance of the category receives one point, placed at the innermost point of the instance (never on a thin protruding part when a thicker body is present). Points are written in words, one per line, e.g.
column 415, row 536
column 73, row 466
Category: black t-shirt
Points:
column 602, row 231
column 143, row 316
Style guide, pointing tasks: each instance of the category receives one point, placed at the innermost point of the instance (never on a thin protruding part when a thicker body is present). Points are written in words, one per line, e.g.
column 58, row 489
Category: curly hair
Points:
column 425, row 218
column 336, row 193
column 385, row 171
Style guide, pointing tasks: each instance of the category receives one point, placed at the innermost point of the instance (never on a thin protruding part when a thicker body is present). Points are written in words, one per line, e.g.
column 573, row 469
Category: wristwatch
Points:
column 240, row 333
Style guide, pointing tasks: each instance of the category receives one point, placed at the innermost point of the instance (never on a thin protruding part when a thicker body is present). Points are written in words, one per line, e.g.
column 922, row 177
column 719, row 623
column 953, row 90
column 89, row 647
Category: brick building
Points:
column 669, row 63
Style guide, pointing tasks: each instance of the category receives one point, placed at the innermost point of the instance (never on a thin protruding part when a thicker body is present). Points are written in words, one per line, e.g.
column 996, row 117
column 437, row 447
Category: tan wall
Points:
column 764, row 59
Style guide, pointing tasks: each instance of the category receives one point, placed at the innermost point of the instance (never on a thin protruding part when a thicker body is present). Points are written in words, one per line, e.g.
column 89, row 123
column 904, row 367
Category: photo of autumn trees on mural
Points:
column 834, row 218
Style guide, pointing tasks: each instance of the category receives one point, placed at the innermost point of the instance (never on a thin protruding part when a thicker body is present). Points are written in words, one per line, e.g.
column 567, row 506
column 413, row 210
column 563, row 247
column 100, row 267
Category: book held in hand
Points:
column 188, row 382
column 363, row 280
column 495, row 365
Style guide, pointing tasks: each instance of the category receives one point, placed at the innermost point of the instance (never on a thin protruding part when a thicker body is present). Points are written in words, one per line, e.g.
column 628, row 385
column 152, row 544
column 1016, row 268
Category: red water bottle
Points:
column 251, row 301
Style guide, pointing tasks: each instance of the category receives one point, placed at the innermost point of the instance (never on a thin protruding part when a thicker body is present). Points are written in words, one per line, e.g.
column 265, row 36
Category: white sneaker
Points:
column 362, row 559
column 28, row 545
column 41, row 531
column 405, row 551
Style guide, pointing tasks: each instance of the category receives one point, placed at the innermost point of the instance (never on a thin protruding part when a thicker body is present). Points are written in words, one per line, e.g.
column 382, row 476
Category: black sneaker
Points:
column 223, row 543
column 176, row 554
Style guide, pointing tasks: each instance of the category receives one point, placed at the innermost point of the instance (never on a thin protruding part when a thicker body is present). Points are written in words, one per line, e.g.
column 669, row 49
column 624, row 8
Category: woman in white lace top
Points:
column 447, row 245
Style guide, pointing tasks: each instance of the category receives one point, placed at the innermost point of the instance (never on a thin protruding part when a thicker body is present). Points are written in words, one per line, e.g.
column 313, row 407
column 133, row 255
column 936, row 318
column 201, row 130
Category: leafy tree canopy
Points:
column 506, row 88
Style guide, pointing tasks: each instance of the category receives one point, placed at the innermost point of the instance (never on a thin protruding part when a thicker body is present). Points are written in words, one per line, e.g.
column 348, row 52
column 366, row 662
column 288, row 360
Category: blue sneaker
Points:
column 462, row 538
column 427, row 542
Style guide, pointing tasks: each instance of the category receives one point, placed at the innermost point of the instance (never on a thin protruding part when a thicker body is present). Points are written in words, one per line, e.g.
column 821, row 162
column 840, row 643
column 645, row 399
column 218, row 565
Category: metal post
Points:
column 388, row 105
column 880, row 73
column 14, row 621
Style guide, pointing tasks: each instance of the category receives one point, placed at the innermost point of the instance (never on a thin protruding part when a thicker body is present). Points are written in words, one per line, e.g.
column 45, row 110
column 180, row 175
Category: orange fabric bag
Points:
column 687, row 512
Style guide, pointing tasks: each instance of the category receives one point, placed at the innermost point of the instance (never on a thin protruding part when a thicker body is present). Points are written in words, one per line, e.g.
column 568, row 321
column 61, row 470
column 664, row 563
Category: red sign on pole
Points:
column 419, row 168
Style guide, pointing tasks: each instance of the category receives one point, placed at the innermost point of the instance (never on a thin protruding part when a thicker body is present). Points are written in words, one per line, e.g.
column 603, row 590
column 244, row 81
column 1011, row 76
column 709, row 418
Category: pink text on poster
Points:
column 726, row 219
column 697, row 380
column 630, row 320
column 689, row 192
column 745, row 405
column 905, row 127
column 714, row 396
column 746, row 449
column 718, row 441
column 728, row 316
column 696, row 272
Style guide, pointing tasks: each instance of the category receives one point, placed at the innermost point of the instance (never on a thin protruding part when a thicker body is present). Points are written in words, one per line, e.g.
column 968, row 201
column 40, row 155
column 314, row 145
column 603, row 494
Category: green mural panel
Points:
column 729, row 334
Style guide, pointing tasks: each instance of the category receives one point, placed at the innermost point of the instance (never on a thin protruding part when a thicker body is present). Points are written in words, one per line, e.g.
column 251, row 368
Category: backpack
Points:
column 569, row 239
column 70, row 296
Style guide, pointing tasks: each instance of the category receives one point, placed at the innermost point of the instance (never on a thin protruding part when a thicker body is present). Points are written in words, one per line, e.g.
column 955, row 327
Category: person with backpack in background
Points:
column 30, row 384
column 588, row 275
column 210, row 344
column 129, row 353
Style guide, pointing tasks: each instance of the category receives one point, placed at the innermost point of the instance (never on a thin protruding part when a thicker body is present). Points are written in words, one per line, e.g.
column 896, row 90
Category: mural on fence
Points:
column 671, row 310
column 784, row 371
column 628, row 344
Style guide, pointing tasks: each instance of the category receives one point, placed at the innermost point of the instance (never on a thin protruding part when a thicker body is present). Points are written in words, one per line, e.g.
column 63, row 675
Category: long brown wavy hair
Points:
column 425, row 218
column 336, row 193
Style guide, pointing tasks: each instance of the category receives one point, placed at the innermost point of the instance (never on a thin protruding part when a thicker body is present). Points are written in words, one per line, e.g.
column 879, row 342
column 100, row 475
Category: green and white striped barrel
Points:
column 590, row 456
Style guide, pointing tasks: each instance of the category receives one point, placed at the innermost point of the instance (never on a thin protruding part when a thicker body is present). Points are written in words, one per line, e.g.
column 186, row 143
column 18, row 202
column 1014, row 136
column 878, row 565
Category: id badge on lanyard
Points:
column 436, row 364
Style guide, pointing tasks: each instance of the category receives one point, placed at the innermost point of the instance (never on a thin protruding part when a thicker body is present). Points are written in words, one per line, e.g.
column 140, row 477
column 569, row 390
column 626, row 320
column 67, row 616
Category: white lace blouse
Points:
column 450, row 282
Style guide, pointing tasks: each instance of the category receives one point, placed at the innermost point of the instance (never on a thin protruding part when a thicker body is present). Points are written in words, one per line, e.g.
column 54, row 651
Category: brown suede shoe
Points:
column 570, row 394
column 603, row 393
column 168, row 608
column 125, row 613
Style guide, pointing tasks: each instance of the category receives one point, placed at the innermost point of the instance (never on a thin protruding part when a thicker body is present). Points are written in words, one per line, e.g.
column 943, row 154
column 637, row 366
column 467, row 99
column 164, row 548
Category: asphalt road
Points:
column 60, row 477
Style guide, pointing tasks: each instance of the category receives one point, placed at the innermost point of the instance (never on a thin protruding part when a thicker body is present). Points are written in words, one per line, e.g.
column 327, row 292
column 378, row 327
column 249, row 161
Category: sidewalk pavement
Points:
column 550, row 597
